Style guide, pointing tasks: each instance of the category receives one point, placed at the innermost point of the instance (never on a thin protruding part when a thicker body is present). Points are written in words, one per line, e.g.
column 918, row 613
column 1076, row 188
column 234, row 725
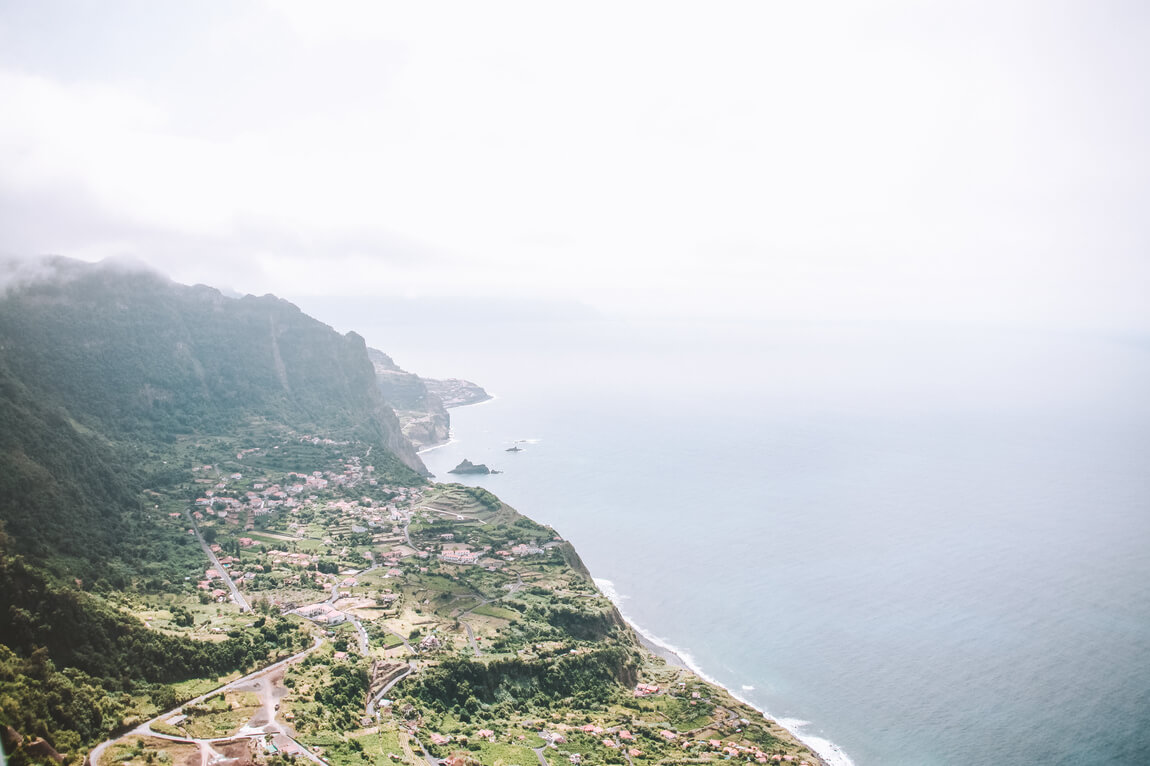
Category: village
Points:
column 387, row 582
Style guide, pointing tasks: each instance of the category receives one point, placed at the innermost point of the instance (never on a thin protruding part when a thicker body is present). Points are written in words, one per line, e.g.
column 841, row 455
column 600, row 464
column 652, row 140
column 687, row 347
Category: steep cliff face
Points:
column 421, row 413
column 100, row 368
column 126, row 352
column 422, row 403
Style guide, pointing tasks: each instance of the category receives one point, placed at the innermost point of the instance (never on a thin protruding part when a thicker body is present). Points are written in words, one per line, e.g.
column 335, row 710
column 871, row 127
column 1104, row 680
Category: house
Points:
column 460, row 556
column 322, row 613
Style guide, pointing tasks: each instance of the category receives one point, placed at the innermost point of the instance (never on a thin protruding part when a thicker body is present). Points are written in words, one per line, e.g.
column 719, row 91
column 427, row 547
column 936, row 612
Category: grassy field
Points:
column 220, row 715
column 490, row 610
column 147, row 751
column 378, row 747
column 500, row 754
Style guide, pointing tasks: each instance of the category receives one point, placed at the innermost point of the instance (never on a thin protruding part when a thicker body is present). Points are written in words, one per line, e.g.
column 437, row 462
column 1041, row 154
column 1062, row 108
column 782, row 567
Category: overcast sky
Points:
column 979, row 160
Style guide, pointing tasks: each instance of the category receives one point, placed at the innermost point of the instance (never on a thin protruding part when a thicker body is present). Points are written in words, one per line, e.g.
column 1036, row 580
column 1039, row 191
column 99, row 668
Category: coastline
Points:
column 450, row 435
column 828, row 752
column 437, row 445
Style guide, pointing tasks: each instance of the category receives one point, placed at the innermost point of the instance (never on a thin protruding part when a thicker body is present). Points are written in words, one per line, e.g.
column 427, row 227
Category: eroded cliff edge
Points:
column 421, row 404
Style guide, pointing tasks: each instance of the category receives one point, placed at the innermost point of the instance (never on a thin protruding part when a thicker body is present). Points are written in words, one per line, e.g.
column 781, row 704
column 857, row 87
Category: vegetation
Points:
column 136, row 413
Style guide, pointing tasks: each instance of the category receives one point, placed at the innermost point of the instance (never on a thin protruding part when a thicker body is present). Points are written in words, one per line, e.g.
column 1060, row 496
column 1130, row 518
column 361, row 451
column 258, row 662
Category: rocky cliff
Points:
column 98, row 363
column 421, row 403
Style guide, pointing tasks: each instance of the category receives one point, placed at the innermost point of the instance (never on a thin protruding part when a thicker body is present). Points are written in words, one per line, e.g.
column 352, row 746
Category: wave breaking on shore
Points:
column 831, row 753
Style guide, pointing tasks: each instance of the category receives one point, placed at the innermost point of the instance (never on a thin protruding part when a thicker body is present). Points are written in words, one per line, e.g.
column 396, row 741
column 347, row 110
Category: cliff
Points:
column 101, row 367
column 421, row 404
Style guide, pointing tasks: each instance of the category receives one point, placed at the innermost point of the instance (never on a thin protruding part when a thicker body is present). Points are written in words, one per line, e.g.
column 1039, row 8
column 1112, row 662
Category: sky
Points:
column 973, row 162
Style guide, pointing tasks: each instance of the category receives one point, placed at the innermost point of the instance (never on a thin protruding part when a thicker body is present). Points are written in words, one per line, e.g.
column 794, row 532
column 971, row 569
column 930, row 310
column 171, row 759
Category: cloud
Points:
column 750, row 160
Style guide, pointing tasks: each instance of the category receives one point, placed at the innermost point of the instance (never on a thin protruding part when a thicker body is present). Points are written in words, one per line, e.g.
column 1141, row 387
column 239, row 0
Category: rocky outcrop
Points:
column 456, row 392
column 468, row 467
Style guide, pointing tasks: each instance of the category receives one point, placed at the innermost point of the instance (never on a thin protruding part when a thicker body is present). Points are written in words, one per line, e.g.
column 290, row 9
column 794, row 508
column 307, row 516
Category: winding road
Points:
column 387, row 687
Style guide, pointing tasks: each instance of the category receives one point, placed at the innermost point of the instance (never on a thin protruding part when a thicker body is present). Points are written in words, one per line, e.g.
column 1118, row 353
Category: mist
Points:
column 983, row 164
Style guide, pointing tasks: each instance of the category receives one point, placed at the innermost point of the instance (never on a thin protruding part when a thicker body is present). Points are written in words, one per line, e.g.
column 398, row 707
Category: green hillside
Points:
column 195, row 487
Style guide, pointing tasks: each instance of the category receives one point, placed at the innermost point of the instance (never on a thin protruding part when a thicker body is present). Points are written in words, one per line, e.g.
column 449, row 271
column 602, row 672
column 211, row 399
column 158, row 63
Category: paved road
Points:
column 273, row 727
column 426, row 755
column 236, row 595
column 387, row 687
column 361, row 634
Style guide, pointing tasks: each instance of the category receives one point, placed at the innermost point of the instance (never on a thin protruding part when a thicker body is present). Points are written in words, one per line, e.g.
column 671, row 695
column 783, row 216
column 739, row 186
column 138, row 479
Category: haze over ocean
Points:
column 929, row 542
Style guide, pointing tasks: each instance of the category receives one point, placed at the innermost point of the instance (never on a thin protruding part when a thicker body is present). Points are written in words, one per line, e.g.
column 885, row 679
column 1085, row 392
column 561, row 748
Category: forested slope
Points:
column 111, row 381
column 100, row 368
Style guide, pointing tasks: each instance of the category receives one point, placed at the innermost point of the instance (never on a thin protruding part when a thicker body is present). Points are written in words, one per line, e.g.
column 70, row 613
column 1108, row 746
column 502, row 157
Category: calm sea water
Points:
column 931, row 544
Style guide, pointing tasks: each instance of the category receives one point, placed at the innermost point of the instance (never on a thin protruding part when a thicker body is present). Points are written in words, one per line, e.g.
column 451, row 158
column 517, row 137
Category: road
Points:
column 426, row 755
column 236, row 595
column 387, row 687
column 453, row 514
column 484, row 602
column 407, row 534
column 258, row 680
column 361, row 634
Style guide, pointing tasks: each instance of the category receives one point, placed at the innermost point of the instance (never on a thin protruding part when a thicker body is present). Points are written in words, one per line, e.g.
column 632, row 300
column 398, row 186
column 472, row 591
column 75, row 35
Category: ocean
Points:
column 913, row 544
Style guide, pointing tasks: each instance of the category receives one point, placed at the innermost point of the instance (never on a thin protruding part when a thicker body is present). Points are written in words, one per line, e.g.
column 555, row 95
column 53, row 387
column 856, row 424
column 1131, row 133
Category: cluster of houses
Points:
column 624, row 741
column 265, row 498
column 322, row 613
column 461, row 555
column 303, row 560
column 208, row 584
